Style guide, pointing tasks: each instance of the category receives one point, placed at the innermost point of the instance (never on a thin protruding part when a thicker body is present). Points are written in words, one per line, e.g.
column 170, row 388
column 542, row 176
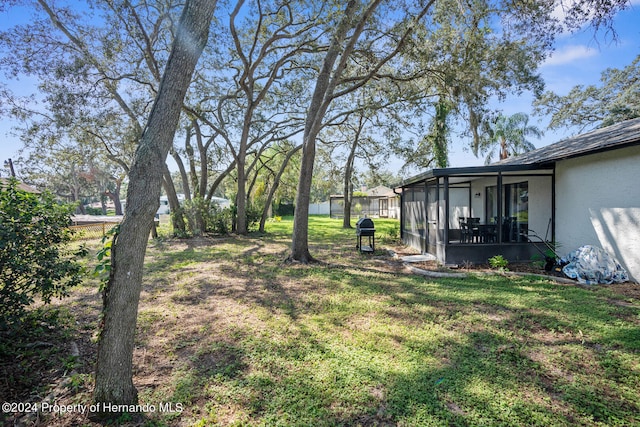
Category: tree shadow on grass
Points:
column 487, row 375
column 452, row 395
column 482, row 384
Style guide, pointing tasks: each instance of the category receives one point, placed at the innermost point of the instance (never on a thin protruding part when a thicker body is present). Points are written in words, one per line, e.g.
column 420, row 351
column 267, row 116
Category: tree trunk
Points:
column 300, row 243
column 348, row 192
column 346, row 221
column 193, row 174
column 274, row 187
column 194, row 216
column 114, row 382
column 503, row 148
column 348, row 173
column 241, row 200
column 241, row 197
column 185, row 183
column 183, row 172
column 78, row 199
column 115, row 197
column 204, row 161
column 319, row 105
column 177, row 211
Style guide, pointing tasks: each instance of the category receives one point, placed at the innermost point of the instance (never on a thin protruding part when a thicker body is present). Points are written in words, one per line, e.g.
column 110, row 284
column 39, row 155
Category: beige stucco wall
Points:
column 598, row 203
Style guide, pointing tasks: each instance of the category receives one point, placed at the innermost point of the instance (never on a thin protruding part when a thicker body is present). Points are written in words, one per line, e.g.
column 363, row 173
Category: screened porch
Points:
column 470, row 214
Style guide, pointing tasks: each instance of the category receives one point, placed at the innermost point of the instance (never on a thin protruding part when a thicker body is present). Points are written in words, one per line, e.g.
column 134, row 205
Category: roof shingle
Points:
column 603, row 139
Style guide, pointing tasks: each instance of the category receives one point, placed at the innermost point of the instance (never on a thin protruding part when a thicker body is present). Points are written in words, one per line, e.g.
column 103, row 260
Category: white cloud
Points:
column 569, row 54
column 559, row 12
column 562, row 7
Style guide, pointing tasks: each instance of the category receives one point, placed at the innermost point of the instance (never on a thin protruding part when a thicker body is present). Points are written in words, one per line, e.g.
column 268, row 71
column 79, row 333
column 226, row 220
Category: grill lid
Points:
column 365, row 223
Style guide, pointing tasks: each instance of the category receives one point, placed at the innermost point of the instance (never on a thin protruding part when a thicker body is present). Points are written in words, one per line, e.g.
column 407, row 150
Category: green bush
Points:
column 93, row 211
column 34, row 258
column 215, row 219
column 254, row 214
column 192, row 209
column 498, row 262
column 219, row 220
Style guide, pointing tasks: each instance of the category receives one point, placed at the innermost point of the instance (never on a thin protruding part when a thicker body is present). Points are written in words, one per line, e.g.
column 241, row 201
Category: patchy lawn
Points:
column 231, row 334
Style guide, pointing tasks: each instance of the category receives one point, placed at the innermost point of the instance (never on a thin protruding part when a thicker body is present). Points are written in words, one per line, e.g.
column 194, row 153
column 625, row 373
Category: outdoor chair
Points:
column 465, row 232
column 488, row 233
column 474, row 229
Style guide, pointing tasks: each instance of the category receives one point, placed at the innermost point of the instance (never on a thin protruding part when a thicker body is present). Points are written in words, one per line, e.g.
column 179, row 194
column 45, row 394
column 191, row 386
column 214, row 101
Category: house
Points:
column 164, row 209
column 582, row 190
column 4, row 183
column 378, row 202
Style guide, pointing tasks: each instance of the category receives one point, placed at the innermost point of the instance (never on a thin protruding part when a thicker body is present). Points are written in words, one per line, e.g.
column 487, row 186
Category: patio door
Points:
column 515, row 209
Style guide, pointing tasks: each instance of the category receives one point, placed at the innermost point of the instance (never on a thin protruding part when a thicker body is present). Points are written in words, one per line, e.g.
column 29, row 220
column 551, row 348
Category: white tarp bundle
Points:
column 592, row 265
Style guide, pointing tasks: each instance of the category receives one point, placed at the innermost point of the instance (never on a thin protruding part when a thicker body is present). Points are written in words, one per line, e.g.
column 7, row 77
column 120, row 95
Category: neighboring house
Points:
column 163, row 209
column 579, row 191
column 379, row 202
column 4, row 182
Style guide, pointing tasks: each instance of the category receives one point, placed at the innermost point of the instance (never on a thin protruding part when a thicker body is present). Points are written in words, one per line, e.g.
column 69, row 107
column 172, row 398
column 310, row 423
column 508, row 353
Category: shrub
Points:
column 498, row 262
column 93, row 211
column 254, row 214
column 219, row 220
column 34, row 258
column 215, row 219
column 196, row 209
column 537, row 261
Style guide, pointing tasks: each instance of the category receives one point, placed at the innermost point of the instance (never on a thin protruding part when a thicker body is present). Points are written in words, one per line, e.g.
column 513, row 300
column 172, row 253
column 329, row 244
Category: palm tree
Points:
column 509, row 134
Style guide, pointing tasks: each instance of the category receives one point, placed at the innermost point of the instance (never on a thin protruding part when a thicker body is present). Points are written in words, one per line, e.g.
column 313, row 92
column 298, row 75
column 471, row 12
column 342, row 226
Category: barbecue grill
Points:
column 365, row 228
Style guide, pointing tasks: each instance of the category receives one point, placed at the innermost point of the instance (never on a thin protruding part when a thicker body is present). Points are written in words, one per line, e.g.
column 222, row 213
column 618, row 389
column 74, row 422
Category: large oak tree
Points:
column 114, row 383
column 378, row 46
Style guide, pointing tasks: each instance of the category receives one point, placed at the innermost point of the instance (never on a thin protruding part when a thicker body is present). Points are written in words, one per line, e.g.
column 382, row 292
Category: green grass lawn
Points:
column 240, row 337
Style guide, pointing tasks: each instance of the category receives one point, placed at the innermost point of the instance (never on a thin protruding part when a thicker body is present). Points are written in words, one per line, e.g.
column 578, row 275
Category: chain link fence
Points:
column 90, row 231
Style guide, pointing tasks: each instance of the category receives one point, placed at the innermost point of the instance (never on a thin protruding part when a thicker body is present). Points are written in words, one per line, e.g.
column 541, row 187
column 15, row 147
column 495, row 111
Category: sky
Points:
column 578, row 59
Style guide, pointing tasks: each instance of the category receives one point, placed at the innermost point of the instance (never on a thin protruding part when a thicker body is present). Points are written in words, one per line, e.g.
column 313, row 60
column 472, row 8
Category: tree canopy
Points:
column 99, row 69
column 616, row 99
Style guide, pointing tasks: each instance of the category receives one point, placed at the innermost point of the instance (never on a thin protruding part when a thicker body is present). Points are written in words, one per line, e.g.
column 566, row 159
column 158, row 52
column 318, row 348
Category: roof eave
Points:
column 624, row 144
column 472, row 170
